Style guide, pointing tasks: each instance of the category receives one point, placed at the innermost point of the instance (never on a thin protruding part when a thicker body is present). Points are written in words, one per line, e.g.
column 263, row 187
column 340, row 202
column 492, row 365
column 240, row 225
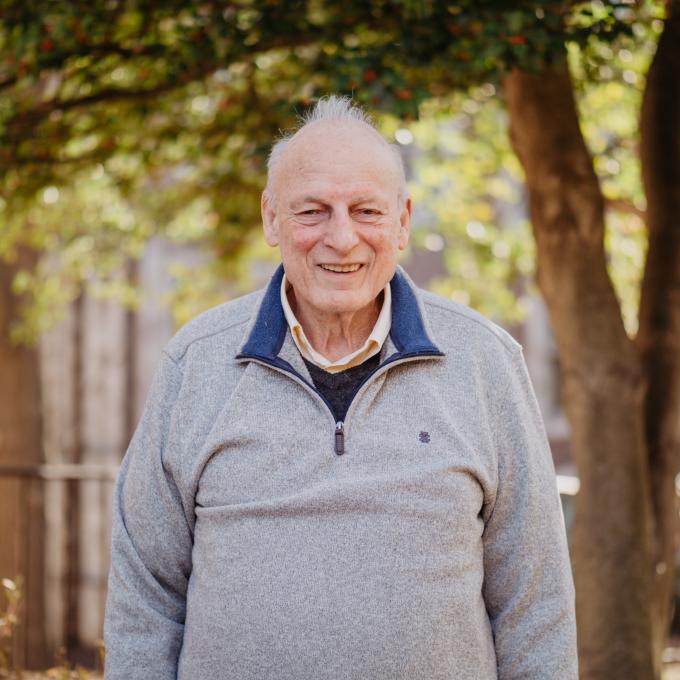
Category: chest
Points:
column 404, row 441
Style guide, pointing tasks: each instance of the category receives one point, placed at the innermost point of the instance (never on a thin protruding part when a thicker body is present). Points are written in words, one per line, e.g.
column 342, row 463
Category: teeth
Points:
column 341, row 267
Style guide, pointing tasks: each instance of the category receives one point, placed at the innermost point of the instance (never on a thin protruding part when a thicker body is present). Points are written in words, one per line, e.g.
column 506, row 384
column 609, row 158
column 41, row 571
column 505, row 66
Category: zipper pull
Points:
column 339, row 438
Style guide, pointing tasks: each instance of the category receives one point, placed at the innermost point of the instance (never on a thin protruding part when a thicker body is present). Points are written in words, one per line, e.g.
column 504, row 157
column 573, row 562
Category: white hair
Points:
column 336, row 109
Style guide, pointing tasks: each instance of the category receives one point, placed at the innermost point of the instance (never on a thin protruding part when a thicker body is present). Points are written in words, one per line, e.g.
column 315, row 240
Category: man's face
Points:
column 334, row 212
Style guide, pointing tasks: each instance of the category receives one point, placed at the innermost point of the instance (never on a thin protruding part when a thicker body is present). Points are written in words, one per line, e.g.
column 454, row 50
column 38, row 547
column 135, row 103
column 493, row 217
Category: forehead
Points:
column 342, row 159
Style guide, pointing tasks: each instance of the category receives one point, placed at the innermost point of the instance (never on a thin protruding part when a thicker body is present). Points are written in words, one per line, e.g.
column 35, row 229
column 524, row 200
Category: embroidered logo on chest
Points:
column 424, row 437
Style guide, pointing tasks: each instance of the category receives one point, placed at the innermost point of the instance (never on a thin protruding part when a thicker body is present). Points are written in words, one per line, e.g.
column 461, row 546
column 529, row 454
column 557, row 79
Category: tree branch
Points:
column 7, row 82
column 119, row 94
column 30, row 118
column 624, row 205
column 100, row 49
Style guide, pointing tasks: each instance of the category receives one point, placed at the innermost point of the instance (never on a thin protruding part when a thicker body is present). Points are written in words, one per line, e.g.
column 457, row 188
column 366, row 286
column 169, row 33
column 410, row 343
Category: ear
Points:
column 269, row 222
column 405, row 224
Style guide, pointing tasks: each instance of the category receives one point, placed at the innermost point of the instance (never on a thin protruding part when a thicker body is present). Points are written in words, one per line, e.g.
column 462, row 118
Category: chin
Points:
column 347, row 306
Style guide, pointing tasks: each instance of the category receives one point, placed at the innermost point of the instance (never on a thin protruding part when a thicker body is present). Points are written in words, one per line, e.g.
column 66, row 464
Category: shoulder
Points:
column 223, row 326
column 479, row 354
column 455, row 325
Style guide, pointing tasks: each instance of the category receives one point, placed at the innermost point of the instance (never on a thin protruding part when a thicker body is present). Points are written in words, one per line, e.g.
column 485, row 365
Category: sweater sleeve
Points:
column 528, row 586
column 151, row 547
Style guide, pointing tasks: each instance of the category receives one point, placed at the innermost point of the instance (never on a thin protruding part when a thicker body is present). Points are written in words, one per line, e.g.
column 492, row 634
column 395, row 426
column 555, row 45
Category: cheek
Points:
column 304, row 239
column 383, row 241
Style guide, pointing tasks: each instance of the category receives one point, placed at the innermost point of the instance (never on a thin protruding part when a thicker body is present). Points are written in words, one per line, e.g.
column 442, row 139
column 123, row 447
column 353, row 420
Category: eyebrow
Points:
column 307, row 199
column 315, row 199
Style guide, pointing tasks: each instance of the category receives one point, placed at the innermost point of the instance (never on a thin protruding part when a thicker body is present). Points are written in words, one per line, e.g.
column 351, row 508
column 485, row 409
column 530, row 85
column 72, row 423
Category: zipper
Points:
column 340, row 425
column 339, row 438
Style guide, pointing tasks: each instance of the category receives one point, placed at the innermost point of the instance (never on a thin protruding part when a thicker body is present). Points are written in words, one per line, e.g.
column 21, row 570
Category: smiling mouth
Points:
column 341, row 268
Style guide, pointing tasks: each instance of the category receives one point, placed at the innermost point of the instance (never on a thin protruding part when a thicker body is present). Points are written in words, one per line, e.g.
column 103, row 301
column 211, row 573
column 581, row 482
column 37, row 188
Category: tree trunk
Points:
column 603, row 387
column 22, row 520
column 658, row 339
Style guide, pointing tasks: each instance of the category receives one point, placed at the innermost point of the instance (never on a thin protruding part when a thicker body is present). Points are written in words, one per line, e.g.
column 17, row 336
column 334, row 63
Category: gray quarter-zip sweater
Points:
column 422, row 538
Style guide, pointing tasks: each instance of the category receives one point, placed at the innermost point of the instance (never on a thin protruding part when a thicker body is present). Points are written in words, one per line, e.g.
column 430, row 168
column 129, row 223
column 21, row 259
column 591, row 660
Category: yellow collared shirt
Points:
column 370, row 348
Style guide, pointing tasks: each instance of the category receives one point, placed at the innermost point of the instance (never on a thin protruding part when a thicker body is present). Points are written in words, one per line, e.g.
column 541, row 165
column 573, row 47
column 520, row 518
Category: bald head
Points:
column 334, row 122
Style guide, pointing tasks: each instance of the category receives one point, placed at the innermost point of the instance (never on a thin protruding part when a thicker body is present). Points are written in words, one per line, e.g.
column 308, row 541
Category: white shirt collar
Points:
column 370, row 348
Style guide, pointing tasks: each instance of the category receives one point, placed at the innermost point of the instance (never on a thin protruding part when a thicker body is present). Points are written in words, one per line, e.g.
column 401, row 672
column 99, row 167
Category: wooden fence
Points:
column 67, row 573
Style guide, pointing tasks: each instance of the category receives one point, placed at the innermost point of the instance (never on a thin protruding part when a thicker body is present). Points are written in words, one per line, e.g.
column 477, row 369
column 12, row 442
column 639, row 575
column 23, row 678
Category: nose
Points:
column 341, row 234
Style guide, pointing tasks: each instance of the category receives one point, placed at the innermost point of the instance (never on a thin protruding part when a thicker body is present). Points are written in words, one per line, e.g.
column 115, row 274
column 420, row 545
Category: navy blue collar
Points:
column 407, row 330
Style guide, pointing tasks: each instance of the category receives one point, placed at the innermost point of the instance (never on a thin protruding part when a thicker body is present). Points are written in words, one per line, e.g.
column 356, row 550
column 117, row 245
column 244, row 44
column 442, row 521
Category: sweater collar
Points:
column 407, row 332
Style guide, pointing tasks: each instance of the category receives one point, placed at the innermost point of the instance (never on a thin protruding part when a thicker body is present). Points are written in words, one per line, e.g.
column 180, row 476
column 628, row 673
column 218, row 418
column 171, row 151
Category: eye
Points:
column 367, row 213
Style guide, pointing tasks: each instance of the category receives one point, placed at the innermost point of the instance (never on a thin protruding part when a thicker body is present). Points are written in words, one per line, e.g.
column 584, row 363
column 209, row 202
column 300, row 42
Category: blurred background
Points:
column 542, row 147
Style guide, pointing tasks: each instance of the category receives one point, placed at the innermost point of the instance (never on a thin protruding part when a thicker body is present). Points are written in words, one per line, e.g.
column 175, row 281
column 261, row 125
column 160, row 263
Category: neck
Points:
column 335, row 335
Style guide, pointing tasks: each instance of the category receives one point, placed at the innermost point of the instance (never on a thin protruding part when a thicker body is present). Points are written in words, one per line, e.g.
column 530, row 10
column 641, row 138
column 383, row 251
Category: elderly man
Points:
column 341, row 476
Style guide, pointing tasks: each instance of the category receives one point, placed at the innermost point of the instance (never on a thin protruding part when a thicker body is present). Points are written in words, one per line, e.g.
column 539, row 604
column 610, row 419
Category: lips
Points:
column 341, row 268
